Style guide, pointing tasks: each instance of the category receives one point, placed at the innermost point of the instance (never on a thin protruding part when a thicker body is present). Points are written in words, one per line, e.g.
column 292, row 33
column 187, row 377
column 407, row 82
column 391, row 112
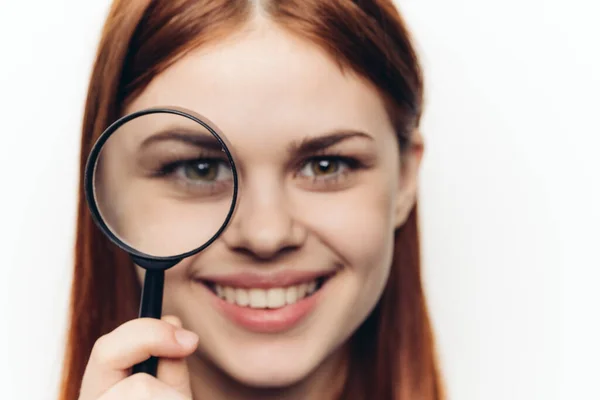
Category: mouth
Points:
column 270, row 309
column 272, row 298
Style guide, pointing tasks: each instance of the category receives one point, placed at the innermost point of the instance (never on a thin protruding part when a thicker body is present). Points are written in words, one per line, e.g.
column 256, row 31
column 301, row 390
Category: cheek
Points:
column 161, row 224
column 178, row 289
column 358, row 223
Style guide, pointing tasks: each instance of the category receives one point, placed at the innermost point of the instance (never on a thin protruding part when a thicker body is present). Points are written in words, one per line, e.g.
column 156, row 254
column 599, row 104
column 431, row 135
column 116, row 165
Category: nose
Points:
column 263, row 224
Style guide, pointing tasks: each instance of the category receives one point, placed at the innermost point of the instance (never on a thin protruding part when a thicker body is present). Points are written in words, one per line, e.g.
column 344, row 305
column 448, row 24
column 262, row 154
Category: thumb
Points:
column 174, row 371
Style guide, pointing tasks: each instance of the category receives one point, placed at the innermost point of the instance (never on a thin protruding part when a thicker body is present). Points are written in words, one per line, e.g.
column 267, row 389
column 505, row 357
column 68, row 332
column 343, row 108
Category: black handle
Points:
column 151, row 307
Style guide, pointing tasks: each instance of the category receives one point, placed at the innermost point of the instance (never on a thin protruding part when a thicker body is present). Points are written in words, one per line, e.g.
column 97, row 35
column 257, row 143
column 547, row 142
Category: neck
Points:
column 326, row 382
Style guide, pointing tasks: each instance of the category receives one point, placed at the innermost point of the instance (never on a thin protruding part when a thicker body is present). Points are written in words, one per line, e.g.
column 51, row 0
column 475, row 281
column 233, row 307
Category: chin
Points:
column 271, row 368
column 269, row 378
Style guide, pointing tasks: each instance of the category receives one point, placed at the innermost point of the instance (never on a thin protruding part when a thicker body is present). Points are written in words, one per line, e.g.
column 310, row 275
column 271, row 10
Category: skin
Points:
column 269, row 89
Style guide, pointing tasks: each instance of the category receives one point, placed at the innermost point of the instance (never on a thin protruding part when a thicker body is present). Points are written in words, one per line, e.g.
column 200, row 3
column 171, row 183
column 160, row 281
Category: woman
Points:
column 269, row 74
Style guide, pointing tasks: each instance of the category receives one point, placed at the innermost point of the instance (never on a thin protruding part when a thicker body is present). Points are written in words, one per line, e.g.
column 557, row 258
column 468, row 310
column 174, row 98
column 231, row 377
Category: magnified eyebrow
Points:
column 311, row 145
column 185, row 135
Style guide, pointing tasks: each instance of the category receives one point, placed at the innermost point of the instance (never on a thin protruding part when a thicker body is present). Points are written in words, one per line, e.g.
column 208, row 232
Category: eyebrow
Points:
column 311, row 145
column 301, row 148
column 185, row 135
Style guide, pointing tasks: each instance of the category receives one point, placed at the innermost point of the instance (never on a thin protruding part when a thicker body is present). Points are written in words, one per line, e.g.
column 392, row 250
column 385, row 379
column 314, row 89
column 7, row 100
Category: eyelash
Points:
column 170, row 168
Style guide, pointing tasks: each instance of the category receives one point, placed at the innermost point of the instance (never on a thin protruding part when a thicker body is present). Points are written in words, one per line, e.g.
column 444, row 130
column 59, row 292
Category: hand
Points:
column 107, row 375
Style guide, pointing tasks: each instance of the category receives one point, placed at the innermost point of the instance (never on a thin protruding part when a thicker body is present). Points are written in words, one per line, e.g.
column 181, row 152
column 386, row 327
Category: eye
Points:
column 203, row 171
column 324, row 166
column 200, row 170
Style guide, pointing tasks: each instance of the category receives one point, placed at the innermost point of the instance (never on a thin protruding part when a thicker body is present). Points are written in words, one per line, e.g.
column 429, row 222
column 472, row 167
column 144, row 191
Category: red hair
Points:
column 392, row 352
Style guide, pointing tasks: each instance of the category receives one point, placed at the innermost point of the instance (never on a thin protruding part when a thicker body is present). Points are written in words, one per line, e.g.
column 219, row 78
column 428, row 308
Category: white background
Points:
column 510, row 195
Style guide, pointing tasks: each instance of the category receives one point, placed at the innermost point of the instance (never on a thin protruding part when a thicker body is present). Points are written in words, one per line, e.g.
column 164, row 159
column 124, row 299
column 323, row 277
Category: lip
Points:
column 268, row 320
column 249, row 280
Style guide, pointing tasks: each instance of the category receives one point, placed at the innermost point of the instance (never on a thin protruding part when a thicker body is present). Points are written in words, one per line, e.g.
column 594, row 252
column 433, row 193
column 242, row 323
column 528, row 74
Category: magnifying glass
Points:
column 162, row 185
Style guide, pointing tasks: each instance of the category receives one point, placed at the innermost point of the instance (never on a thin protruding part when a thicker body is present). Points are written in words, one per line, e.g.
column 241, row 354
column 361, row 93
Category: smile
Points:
column 267, row 309
column 267, row 298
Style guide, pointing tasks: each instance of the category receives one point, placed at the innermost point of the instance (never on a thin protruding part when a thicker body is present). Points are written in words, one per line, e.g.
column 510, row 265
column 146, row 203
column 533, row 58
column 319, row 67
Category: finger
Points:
column 129, row 344
column 174, row 371
column 142, row 387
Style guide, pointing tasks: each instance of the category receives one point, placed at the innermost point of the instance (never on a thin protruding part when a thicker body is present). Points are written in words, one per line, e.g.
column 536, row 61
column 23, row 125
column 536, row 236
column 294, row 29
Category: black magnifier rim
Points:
column 89, row 180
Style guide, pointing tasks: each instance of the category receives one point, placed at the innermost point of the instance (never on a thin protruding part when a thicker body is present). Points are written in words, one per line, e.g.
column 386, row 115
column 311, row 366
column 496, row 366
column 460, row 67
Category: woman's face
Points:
column 256, row 296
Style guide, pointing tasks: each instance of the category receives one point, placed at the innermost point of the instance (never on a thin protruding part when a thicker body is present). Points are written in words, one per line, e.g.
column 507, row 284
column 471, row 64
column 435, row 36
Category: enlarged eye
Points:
column 323, row 166
column 201, row 170
column 204, row 171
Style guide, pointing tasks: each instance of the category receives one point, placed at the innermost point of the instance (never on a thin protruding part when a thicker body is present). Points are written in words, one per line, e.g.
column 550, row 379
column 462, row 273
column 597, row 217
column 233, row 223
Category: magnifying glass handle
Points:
column 151, row 307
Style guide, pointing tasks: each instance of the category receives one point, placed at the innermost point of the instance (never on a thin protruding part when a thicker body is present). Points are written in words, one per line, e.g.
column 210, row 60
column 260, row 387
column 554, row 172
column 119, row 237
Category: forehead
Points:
column 264, row 81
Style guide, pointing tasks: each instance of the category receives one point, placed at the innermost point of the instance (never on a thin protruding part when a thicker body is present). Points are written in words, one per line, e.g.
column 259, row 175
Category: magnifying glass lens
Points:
column 163, row 184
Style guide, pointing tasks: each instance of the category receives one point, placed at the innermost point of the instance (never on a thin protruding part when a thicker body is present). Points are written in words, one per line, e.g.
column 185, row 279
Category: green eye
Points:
column 201, row 170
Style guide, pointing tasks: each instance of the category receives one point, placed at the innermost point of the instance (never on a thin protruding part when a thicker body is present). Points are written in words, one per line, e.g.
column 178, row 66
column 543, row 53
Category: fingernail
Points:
column 186, row 338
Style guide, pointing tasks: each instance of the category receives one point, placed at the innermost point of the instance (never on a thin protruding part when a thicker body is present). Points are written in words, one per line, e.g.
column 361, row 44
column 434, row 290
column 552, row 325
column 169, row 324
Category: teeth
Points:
column 258, row 298
column 242, row 297
column 276, row 298
column 302, row 290
column 291, row 295
column 265, row 298
column 230, row 294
